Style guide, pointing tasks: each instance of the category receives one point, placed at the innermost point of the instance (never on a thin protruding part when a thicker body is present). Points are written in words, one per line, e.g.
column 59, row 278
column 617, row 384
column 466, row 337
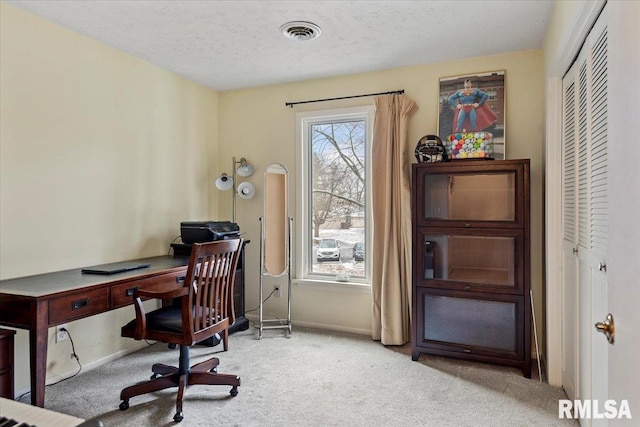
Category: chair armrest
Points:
column 141, row 315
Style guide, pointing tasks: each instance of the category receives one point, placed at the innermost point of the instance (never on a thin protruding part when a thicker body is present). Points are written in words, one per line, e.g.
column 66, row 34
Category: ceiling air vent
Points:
column 300, row 30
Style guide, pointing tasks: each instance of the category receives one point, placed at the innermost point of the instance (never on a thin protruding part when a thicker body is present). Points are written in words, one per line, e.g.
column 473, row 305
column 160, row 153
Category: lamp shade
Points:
column 224, row 182
column 245, row 170
column 246, row 190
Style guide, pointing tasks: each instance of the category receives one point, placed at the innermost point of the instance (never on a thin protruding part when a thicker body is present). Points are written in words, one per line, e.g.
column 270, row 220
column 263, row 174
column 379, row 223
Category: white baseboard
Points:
column 89, row 366
column 338, row 328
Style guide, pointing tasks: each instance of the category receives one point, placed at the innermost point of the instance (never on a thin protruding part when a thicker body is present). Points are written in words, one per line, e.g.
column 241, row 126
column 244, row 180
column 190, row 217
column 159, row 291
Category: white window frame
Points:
column 304, row 120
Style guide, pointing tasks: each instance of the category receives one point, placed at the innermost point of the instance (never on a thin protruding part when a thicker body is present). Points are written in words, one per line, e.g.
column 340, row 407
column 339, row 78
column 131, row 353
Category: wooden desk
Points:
column 39, row 302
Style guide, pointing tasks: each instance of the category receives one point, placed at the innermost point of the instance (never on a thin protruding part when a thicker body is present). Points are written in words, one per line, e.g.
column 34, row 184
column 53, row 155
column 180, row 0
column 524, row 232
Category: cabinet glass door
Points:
column 480, row 194
column 471, row 260
column 469, row 322
column 470, row 197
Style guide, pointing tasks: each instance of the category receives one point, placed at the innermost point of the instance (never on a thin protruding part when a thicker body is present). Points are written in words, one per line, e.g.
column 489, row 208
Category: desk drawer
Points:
column 122, row 294
column 77, row 306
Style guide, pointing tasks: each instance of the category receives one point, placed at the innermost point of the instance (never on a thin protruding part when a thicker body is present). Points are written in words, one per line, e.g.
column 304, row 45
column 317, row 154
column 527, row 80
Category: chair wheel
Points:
column 178, row 417
column 234, row 391
column 124, row 405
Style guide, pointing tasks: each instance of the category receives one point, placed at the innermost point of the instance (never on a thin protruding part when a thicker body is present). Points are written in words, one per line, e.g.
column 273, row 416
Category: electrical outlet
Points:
column 276, row 291
column 60, row 334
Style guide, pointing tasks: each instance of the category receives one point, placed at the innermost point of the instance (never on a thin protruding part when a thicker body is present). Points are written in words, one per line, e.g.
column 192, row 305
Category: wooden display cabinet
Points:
column 471, row 274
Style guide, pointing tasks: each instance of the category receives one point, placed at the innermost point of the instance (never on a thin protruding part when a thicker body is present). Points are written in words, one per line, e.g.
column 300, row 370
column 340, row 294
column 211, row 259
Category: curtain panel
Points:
column 391, row 188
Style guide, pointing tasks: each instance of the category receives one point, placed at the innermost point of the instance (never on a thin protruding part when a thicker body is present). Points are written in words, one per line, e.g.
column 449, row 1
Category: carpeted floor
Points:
column 316, row 378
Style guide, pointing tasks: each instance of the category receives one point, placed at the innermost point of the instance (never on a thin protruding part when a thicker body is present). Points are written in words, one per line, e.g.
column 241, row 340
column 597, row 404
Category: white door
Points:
column 603, row 171
column 585, row 220
column 593, row 216
column 623, row 269
column 570, row 295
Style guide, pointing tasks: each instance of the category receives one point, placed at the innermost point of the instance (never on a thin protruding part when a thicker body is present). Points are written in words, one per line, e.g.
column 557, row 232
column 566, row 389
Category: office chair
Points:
column 202, row 307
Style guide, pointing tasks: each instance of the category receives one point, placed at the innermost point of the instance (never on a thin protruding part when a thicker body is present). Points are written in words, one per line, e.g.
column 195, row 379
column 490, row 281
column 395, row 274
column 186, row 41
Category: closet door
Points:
column 597, row 215
column 585, row 219
column 569, row 239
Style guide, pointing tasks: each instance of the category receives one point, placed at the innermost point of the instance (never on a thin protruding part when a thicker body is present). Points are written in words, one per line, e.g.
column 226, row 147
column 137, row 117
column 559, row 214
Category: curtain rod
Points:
column 393, row 92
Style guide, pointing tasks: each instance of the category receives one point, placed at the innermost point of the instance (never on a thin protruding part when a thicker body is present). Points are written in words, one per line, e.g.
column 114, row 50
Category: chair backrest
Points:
column 210, row 276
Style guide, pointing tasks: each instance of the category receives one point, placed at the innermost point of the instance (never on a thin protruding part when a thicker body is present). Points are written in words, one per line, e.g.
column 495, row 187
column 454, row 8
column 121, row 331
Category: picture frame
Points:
column 484, row 114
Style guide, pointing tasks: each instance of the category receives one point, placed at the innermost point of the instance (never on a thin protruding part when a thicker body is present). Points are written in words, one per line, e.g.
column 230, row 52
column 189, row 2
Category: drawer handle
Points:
column 467, row 287
column 466, row 350
column 180, row 279
column 467, row 225
column 129, row 292
column 79, row 304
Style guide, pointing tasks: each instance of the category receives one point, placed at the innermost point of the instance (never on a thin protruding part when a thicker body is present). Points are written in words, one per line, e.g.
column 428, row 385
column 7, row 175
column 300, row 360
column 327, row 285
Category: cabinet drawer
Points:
column 76, row 306
column 122, row 294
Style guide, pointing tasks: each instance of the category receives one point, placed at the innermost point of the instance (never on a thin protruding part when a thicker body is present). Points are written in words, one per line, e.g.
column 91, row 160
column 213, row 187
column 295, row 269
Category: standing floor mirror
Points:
column 275, row 242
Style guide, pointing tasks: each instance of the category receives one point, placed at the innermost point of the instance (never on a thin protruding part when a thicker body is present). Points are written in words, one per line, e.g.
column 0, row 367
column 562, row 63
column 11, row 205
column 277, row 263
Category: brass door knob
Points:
column 607, row 328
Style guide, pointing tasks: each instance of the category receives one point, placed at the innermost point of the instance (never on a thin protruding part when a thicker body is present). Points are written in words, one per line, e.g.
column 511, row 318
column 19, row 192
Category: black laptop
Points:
column 115, row 267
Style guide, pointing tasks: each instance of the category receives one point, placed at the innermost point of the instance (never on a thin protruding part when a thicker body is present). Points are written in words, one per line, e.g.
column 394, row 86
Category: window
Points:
column 333, row 200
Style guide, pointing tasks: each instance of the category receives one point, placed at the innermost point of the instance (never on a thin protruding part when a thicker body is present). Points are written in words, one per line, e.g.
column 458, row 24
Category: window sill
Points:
column 333, row 285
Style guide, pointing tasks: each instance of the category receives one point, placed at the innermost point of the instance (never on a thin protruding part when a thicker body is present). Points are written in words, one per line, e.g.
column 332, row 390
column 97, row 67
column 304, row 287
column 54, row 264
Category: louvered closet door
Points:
column 597, row 208
column 569, row 240
column 585, row 219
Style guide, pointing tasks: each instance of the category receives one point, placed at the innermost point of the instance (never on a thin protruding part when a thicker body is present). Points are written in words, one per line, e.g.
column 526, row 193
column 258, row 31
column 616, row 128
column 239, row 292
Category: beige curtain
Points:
column 391, row 163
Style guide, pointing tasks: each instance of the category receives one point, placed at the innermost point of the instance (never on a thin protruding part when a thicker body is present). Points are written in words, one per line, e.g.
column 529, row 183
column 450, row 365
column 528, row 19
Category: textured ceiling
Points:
column 236, row 44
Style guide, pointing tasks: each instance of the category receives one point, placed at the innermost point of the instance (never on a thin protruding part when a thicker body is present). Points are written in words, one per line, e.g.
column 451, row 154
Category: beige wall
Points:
column 102, row 155
column 255, row 123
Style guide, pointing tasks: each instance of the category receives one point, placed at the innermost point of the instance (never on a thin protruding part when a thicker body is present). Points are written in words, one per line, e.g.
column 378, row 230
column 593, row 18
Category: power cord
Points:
column 74, row 355
column 169, row 251
column 265, row 300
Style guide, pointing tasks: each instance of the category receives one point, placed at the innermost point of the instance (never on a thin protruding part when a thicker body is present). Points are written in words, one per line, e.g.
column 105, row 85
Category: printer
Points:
column 203, row 231
column 208, row 231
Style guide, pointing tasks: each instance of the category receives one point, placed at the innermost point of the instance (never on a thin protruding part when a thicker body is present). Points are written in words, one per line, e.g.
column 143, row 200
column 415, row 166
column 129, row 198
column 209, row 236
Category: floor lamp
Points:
column 246, row 190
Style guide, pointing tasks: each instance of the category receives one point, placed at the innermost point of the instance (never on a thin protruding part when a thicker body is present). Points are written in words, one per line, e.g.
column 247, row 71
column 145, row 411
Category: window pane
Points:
column 337, row 214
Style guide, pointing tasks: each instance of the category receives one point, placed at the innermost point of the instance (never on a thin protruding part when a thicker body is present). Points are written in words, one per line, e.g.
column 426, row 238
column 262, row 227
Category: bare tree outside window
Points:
column 338, row 196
